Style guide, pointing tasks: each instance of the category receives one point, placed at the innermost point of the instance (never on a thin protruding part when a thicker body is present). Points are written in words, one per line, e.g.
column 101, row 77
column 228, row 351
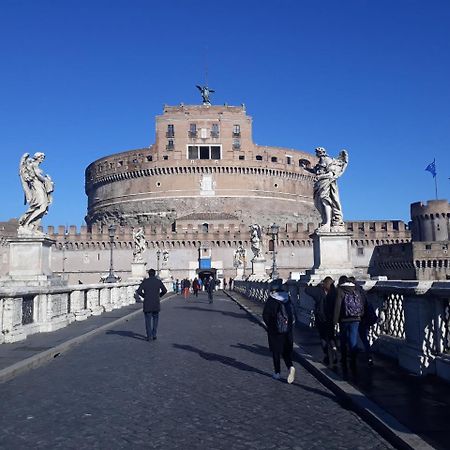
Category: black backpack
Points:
column 282, row 320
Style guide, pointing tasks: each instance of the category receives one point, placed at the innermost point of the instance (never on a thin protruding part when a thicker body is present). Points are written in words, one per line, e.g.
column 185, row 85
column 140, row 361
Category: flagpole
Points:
column 435, row 185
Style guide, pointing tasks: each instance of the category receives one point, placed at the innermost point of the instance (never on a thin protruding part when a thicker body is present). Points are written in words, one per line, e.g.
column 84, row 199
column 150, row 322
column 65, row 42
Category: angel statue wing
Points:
column 339, row 164
column 26, row 176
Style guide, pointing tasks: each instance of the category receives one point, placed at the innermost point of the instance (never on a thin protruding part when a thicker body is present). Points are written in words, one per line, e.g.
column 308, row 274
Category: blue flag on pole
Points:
column 432, row 168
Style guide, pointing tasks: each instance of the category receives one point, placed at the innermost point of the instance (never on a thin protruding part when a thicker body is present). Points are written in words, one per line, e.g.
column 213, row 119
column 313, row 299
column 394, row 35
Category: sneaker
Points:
column 291, row 376
column 276, row 376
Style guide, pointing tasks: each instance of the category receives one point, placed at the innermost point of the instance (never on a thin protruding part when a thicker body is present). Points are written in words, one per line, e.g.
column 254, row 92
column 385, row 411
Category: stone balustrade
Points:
column 33, row 310
column 413, row 319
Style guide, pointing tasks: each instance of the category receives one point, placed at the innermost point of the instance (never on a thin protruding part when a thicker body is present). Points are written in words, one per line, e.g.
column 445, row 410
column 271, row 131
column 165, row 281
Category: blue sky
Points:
column 83, row 79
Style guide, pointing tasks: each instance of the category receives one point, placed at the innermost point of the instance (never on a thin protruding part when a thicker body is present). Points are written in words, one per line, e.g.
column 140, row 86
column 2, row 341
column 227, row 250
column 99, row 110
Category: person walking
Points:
column 195, row 286
column 186, row 286
column 224, row 284
column 210, row 285
column 177, row 286
column 324, row 296
column 348, row 310
column 279, row 319
column 231, row 284
column 151, row 289
column 368, row 319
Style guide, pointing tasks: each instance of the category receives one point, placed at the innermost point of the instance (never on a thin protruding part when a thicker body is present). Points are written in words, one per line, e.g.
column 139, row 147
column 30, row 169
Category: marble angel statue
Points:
column 326, row 194
column 38, row 189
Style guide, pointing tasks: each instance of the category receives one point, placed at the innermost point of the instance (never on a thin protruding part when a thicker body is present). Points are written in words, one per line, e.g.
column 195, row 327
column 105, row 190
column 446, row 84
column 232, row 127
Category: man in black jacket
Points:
column 151, row 289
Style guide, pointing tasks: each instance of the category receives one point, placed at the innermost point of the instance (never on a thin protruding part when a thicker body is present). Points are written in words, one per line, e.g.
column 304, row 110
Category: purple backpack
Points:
column 352, row 305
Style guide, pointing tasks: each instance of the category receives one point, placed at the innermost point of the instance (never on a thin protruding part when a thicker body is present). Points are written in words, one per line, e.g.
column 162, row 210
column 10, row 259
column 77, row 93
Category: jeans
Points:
column 151, row 330
column 349, row 338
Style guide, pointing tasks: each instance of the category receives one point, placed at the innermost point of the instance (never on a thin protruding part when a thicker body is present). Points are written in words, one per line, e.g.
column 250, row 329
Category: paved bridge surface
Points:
column 205, row 383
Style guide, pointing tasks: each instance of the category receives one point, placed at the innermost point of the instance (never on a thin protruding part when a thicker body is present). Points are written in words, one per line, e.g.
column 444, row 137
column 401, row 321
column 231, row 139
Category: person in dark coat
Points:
column 151, row 289
column 210, row 286
column 324, row 296
column 348, row 320
column 281, row 342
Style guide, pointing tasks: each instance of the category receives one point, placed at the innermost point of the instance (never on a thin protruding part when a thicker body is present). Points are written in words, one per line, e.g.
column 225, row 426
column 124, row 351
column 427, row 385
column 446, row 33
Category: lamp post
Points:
column 274, row 229
column 111, row 278
column 158, row 257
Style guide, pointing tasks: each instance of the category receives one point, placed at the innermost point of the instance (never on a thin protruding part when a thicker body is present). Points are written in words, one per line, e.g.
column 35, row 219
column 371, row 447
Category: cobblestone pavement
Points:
column 205, row 383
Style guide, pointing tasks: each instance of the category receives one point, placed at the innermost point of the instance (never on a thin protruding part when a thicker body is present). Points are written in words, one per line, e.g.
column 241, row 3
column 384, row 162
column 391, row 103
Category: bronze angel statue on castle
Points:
column 38, row 189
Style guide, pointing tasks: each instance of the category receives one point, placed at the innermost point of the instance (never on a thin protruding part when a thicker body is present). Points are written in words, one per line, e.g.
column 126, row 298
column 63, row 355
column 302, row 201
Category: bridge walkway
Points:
column 205, row 383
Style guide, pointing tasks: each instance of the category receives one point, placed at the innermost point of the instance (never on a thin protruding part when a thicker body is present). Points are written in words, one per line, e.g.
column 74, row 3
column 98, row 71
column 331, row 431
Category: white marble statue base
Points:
column 165, row 277
column 332, row 256
column 138, row 271
column 29, row 262
column 258, row 269
column 239, row 273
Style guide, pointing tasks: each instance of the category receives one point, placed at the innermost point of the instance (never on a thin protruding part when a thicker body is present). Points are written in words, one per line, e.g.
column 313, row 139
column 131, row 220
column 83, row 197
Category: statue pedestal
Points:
column 239, row 273
column 258, row 269
column 164, row 275
column 332, row 256
column 29, row 262
column 138, row 271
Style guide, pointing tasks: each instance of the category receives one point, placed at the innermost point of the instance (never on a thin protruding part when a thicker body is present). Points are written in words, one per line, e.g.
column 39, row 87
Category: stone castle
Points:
column 197, row 189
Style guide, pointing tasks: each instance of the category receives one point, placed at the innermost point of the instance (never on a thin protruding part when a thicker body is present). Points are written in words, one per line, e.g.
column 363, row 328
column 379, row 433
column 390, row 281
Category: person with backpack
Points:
column 278, row 315
column 324, row 296
column 348, row 310
column 368, row 319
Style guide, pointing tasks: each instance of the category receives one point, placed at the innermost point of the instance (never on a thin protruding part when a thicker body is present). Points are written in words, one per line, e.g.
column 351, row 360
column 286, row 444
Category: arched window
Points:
column 205, row 228
column 259, row 158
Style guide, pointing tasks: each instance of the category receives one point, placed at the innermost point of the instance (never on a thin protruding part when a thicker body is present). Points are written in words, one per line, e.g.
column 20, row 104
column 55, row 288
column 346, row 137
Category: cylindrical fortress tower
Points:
column 203, row 160
column 430, row 221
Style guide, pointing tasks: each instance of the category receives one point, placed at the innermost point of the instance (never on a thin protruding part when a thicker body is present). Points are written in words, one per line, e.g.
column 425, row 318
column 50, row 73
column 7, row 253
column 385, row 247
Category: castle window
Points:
column 192, row 152
column 427, row 246
column 274, row 159
column 204, row 152
column 360, row 251
column 120, row 163
column 259, row 158
column 236, row 130
column 215, row 152
column 236, row 144
column 149, row 158
column 165, row 157
column 192, row 130
column 170, row 131
column 170, row 145
column 241, row 157
column 215, row 130
column 288, row 159
column 205, row 228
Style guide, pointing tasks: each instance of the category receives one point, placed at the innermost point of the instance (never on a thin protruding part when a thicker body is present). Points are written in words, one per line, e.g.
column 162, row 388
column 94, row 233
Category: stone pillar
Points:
column 258, row 269
column 418, row 354
column 29, row 262
column 332, row 256
column 138, row 271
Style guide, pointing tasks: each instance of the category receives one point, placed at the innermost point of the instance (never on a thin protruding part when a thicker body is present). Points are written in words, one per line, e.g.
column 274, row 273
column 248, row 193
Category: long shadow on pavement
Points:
column 243, row 315
column 232, row 362
column 129, row 334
